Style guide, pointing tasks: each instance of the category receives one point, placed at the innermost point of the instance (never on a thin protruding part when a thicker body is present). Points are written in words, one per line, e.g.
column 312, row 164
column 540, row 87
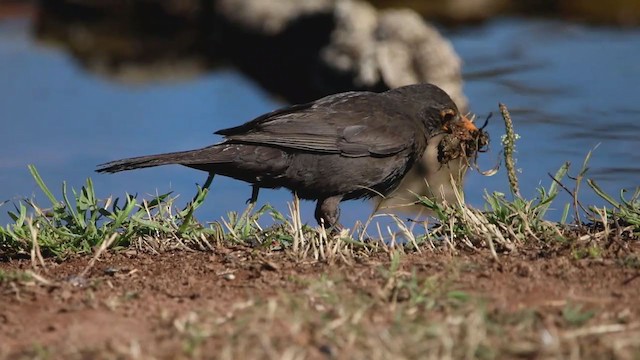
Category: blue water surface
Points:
column 569, row 87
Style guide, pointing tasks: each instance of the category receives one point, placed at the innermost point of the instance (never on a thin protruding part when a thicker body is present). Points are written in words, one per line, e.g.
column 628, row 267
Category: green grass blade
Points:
column 565, row 213
column 195, row 203
column 77, row 219
column 603, row 194
column 36, row 176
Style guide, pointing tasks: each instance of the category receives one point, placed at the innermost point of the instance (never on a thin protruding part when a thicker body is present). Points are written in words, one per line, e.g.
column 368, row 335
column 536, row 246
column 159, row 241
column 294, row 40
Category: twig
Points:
column 39, row 278
column 573, row 194
column 296, row 223
column 35, row 246
column 600, row 330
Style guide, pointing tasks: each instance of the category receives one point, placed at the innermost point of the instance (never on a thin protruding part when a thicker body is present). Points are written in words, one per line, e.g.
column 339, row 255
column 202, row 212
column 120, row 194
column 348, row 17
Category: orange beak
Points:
column 467, row 124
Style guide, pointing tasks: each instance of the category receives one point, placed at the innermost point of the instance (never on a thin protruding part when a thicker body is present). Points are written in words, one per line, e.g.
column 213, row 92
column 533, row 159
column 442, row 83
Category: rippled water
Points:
column 569, row 88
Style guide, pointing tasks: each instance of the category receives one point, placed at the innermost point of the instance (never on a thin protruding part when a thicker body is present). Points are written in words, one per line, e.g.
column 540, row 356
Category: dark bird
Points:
column 351, row 145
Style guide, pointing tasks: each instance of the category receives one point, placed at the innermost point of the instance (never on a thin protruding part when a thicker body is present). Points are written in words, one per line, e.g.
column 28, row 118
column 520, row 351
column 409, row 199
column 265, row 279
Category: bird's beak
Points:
column 467, row 124
column 463, row 122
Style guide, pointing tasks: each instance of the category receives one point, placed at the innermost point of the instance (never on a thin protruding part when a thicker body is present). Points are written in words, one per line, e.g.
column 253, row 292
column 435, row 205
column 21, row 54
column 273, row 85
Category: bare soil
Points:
column 139, row 305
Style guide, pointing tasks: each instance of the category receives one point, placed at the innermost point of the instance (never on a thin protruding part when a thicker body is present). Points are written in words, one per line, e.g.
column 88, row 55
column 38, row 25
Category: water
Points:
column 569, row 88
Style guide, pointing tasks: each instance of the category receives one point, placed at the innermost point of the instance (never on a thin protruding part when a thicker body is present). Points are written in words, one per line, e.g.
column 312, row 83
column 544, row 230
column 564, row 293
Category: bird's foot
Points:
column 327, row 214
column 255, row 190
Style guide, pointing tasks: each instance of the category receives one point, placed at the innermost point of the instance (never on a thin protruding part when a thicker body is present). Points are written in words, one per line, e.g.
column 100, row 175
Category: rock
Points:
column 366, row 49
column 409, row 51
column 454, row 11
column 352, row 47
column 300, row 50
column 391, row 48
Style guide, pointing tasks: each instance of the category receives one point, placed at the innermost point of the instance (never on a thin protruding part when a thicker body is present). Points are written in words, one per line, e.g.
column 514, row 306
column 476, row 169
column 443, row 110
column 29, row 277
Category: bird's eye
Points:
column 447, row 115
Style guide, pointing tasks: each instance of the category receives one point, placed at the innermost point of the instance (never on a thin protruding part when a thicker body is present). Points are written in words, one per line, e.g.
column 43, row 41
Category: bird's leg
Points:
column 328, row 212
column 255, row 189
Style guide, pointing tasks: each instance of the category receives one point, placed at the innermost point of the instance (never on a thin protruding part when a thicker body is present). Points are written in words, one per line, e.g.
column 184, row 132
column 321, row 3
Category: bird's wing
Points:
column 352, row 124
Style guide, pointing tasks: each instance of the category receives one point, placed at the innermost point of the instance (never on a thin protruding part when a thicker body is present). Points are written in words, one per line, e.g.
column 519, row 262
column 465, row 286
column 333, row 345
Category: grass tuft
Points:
column 505, row 224
column 77, row 222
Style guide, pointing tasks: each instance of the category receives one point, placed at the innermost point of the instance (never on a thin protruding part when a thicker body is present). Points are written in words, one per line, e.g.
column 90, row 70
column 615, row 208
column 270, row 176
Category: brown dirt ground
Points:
column 135, row 298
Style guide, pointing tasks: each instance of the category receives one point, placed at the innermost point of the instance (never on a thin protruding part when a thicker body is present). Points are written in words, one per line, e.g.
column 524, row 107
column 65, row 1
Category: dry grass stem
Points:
column 509, row 144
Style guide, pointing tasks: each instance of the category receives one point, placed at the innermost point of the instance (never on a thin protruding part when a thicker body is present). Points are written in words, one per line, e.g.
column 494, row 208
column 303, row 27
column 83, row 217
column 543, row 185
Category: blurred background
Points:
column 86, row 82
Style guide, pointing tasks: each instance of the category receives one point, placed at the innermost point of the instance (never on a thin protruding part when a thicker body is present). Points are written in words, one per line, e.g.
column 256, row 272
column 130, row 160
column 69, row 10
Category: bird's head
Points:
column 434, row 109
column 440, row 118
column 453, row 141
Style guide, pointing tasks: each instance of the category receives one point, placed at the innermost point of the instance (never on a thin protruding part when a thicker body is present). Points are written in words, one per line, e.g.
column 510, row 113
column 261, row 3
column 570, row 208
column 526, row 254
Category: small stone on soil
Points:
column 228, row 276
column 111, row 271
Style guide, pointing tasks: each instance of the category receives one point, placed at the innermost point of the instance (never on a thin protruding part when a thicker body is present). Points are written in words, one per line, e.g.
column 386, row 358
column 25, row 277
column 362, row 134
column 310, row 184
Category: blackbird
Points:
column 350, row 145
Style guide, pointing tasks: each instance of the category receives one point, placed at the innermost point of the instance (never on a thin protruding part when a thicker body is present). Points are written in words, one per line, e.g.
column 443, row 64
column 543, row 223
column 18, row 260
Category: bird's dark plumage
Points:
column 344, row 146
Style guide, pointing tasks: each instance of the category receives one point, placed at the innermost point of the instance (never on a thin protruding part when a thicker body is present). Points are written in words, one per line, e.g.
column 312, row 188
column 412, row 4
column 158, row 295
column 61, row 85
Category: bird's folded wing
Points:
column 357, row 127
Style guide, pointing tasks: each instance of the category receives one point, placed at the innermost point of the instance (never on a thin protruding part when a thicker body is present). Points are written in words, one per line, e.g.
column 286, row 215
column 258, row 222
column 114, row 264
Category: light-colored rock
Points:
column 351, row 49
column 411, row 51
column 375, row 49
column 395, row 47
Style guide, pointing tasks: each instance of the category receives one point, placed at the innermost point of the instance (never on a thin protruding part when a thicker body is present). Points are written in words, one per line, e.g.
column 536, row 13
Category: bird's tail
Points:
column 193, row 158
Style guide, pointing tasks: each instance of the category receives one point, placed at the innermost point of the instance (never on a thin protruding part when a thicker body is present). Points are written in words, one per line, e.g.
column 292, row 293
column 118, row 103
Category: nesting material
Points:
column 462, row 143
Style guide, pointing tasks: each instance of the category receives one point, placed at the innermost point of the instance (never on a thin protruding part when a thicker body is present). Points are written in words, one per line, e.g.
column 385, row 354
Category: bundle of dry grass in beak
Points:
column 463, row 142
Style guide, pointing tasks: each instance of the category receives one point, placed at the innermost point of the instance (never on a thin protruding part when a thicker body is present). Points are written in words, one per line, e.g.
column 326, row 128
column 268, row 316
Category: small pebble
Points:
column 229, row 276
column 111, row 271
column 77, row 280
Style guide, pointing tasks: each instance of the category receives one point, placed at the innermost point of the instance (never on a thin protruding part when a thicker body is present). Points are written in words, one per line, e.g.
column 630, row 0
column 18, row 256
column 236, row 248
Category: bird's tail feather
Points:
column 188, row 158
